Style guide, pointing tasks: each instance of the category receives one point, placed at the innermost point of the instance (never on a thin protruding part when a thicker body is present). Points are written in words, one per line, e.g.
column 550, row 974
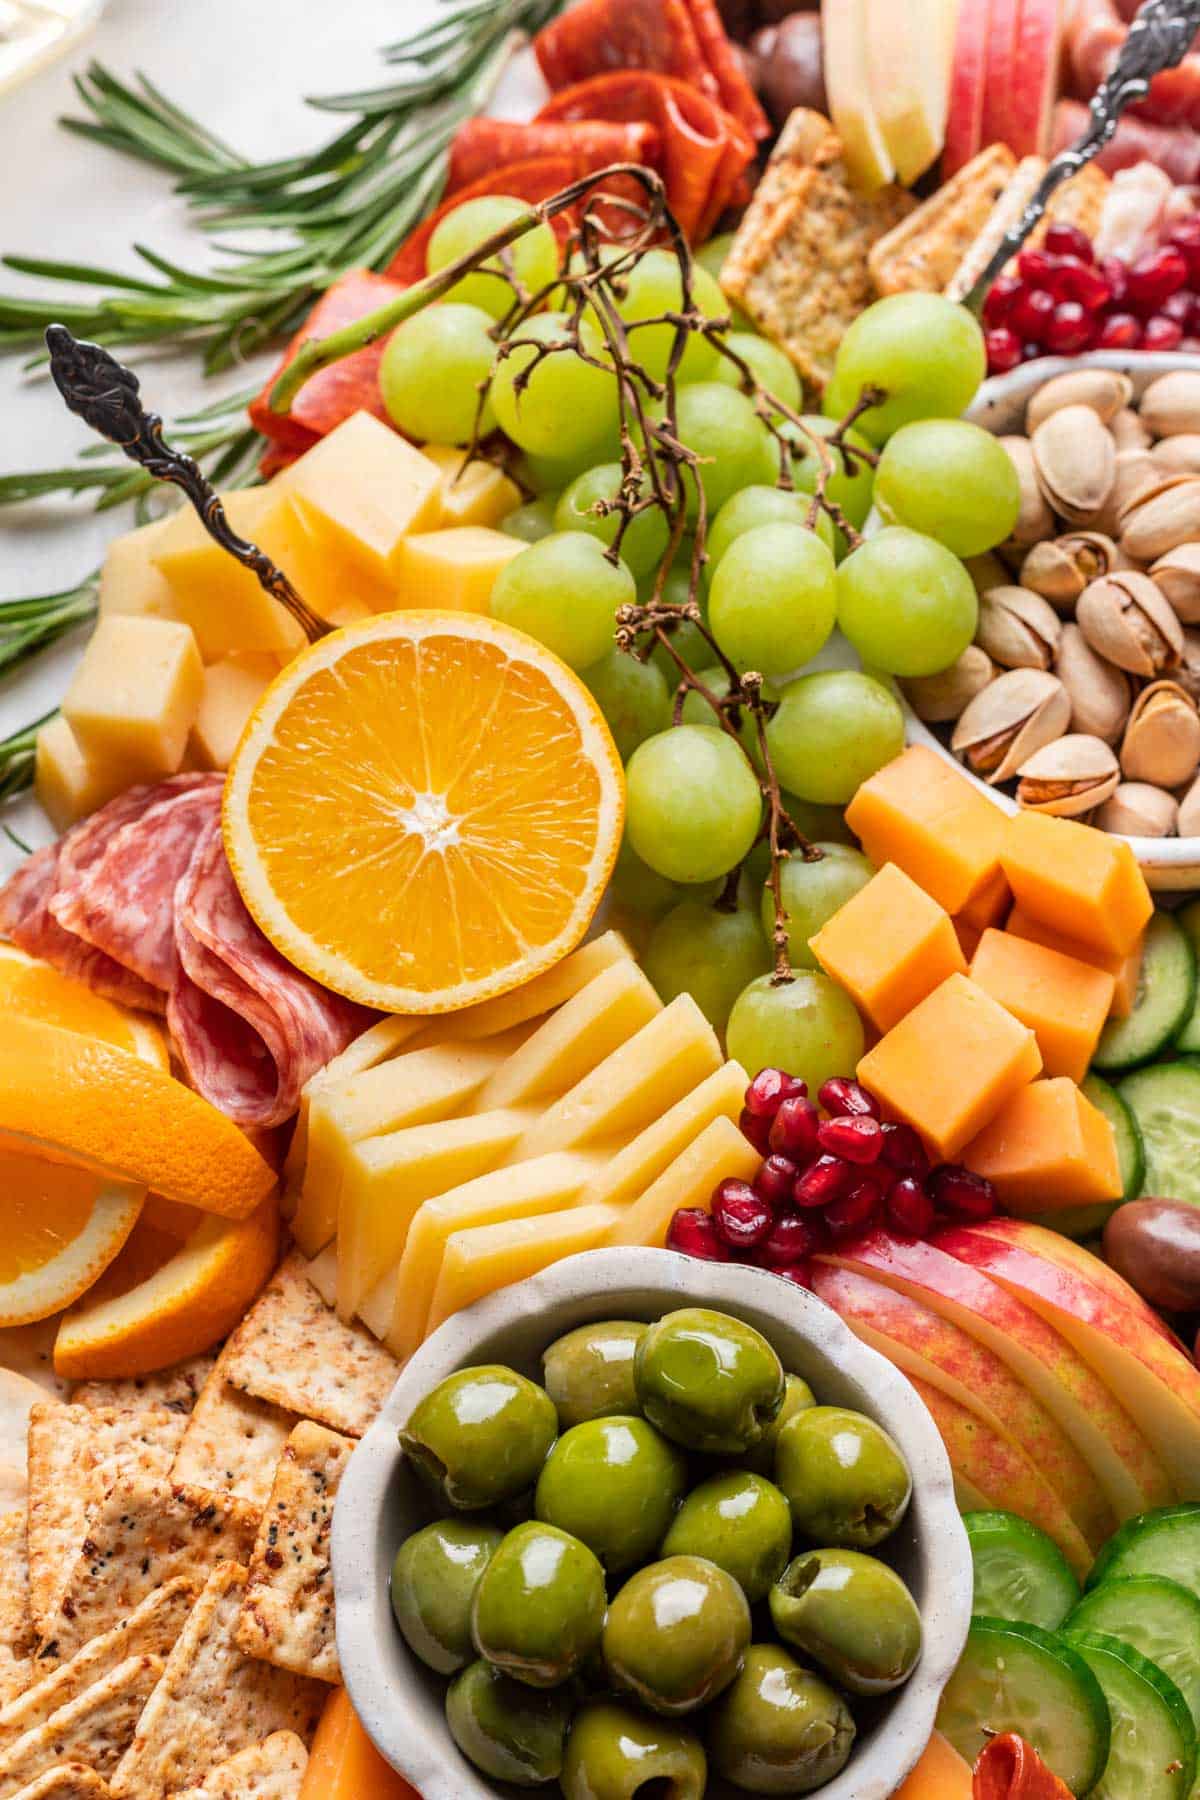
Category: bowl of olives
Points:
column 643, row 1527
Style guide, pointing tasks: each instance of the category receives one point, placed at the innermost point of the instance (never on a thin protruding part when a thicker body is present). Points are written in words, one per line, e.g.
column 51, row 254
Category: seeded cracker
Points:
column 232, row 1442
column 95, row 1729
column 70, row 1781
column 273, row 1770
column 177, row 1389
column 293, row 1350
column 925, row 249
column 17, row 1641
column 288, row 1616
column 212, row 1700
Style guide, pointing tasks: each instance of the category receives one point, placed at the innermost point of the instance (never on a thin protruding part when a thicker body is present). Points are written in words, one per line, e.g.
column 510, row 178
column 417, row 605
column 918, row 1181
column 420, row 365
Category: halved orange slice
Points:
column 61, row 1229
column 424, row 810
column 37, row 990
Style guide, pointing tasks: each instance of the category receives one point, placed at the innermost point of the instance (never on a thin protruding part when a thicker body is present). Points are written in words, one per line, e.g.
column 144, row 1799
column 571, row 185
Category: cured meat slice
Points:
column 248, row 1027
column 1176, row 148
column 482, row 145
column 1095, row 34
column 737, row 95
column 346, row 387
column 26, row 920
column 537, row 178
column 1010, row 1769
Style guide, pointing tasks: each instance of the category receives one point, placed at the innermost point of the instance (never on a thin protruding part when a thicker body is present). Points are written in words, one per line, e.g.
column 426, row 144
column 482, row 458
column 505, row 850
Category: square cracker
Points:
column 177, row 1388
column 1079, row 201
column 288, row 1615
column 272, row 1770
column 212, row 1700
column 292, row 1349
column 17, row 1638
column 70, row 1781
column 75, row 1455
column 140, row 1536
column 925, row 249
column 95, row 1729
column 232, row 1442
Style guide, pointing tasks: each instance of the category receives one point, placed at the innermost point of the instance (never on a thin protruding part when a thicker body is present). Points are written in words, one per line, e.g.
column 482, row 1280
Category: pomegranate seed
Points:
column 800, row 1273
column 1119, row 331
column 1153, row 276
column 961, row 1193
column 757, row 1129
column 1162, row 334
column 902, row 1149
column 742, row 1218
column 827, row 1179
column 1070, row 329
column 1003, row 349
column 855, row 1212
column 1000, row 297
column 909, row 1207
column 1031, row 352
column 775, row 1180
column 1030, row 315
column 1068, row 240
column 1192, row 323
column 1116, row 273
column 1178, row 307
column 1185, row 236
column 692, row 1230
column 854, row 1136
column 769, row 1089
column 1083, row 282
column 791, row 1237
column 840, row 1095
column 794, row 1130
column 1034, row 265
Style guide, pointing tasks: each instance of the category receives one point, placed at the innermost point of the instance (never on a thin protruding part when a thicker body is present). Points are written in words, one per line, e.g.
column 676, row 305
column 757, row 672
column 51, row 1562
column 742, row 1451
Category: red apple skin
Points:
column 1001, row 71
column 1031, row 88
column 964, row 123
column 1056, row 1248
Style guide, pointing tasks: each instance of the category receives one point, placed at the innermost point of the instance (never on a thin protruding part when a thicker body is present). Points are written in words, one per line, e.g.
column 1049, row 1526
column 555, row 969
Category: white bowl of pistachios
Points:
column 1080, row 694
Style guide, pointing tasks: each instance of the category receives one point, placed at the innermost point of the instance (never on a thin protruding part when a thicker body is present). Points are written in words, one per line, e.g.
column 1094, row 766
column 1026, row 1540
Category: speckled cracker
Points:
column 232, row 1442
column 177, row 1388
column 18, row 1396
column 925, row 249
column 70, row 1781
column 1079, row 201
column 95, row 1729
column 17, row 1639
column 140, row 1536
column 212, row 1701
column 288, row 1615
column 272, row 1770
column 293, row 1350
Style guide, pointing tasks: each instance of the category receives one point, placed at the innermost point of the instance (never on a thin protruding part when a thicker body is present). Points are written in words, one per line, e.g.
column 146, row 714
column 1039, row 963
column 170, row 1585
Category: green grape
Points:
column 771, row 368
column 925, row 351
column 713, row 256
column 812, row 892
column 639, row 889
column 760, row 505
column 565, row 593
column 772, row 603
column 697, row 711
column 819, row 824
column 645, row 542
column 693, row 803
column 654, row 286
column 551, row 474
column 906, row 604
column 532, row 521
column 807, row 1026
column 831, row 732
column 709, row 954
column 721, row 426
column 431, row 373
column 953, row 481
column 850, row 488
column 567, row 407
column 534, row 256
column 633, row 697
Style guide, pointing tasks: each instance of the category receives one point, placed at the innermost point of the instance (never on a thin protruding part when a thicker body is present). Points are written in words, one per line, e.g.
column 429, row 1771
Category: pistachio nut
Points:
column 1035, row 520
column 1188, row 672
column 1101, row 695
column 1172, row 403
column 1137, row 474
column 1103, row 390
column 1187, row 823
column 1016, row 714
column 1179, row 455
column 1075, row 459
column 1161, row 520
column 1017, row 628
column 939, row 698
column 1060, row 568
column 1068, row 777
column 1128, row 431
column 1136, row 809
column 1127, row 621
column 986, row 571
column 1178, row 575
column 1162, row 738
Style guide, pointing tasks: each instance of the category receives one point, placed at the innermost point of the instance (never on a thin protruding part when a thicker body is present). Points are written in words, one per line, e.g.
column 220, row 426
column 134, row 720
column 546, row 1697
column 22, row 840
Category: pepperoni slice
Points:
column 349, row 386
column 1010, row 1769
column 482, row 145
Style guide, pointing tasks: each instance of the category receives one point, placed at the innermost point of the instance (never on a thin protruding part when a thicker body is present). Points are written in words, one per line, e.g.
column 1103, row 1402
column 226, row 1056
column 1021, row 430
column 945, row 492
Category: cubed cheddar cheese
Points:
column 134, row 697
column 951, row 1064
column 486, row 1257
column 473, row 492
column 344, row 1764
column 889, row 946
column 720, row 1153
column 941, row 1774
column 923, row 814
column 130, row 579
column 968, row 937
column 1082, row 882
column 988, row 905
column 232, row 689
column 68, row 784
column 363, row 489
column 1124, row 970
column 1063, row 1001
column 455, row 568
column 1047, row 1148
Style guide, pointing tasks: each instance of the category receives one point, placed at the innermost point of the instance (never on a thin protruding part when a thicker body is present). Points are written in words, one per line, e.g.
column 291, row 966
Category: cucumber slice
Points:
column 1156, row 1616
column 1165, row 996
column 1163, row 1542
column 1165, row 1103
column 1020, row 1573
column 1153, row 1746
column 1188, row 1037
column 1018, row 1678
column 1131, row 1154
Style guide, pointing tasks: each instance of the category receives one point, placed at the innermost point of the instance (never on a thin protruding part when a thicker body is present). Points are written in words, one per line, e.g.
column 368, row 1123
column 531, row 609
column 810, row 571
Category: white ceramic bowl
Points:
column 400, row 1701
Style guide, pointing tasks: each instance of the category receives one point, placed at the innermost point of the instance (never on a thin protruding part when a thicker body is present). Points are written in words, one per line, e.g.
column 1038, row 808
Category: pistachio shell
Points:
column 939, row 698
column 1177, row 573
column 1172, row 403
column 1103, row 390
column 1160, row 521
column 1101, row 695
column 1060, row 568
column 1136, row 809
column 1127, row 621
column 1179, row 455
column 1013, row 716
column 1128, row 431
column 1162, row 739
column 1017, row 628
column 1075, row 459
column 1136, row 475
column 1188, row 822
column 986, row 571
column 1188, row 672
column 1068, row 777
column 1035, row 519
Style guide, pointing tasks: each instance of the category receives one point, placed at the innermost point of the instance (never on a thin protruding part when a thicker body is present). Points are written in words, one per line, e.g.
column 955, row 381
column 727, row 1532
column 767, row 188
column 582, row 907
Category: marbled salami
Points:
column 26, row 920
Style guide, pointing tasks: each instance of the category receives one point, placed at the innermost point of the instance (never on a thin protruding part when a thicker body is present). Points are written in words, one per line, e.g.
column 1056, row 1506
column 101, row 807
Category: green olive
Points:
column 589, row 1372
column 709, row 1381
column 539, row 1605
column 742, row 1523
column 506, row 1729
column 779, row 1729
column 434, row 1578
column 675, row 1634
column 615, row 1484
column 481, row 1436
column 853, row 1615
column 845, row 1479
column 617, row 1753
column 797, row 1397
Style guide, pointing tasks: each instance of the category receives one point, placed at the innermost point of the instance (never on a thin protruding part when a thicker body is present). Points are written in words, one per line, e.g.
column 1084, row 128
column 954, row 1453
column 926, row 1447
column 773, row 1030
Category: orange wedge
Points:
column 61, row 1229
column 69, row 1099
column 38, row 991
column 424, row 810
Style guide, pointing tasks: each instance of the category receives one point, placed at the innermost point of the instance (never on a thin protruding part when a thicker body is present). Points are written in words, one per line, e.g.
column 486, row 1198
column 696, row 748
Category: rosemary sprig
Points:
column 16, row 758
column 27, row 626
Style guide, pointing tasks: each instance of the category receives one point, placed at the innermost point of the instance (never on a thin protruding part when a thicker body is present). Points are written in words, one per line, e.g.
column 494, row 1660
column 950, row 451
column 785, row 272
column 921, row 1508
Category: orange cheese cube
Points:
column 1123, row 969
column 924, row 815
column 1081, row 881
column 950, row 1065
column 1063, row 1001
column 941, row 1774
column 1049, row 1148
column 988, row 905
column 889, row 946
column 968, row 937
column 344, row 1764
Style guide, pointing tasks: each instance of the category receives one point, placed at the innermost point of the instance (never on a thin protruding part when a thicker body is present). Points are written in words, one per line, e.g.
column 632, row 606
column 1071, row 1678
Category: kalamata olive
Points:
column 1155, row 1245
column 792, row 72
column 739, row 17
column 772, row 11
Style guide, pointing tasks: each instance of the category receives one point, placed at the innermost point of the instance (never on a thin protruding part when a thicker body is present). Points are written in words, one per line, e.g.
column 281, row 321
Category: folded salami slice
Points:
column 482, row 145
column 26, row 920
column 536, row 178
column 1010, row 1769
column 1175, row 148
column 349, row 386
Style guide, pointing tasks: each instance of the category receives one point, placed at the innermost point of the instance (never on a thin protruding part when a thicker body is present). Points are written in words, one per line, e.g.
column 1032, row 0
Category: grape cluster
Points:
column 824, row 1179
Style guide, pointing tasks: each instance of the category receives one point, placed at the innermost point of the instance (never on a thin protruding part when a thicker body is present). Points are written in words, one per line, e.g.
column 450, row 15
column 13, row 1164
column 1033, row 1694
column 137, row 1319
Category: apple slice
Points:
column 844, row 30
column 968, row 79
column 1156, row 1383
column 1001, row 49
column 1029, row 87
column 1044, row 1241
column 908, row 71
